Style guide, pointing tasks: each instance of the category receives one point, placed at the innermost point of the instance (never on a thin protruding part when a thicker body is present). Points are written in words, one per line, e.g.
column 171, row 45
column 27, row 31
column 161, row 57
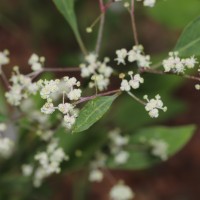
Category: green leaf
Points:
column 140, row 156
column 66, row 8
column 170, row 13
column 189, row 41
column 92, row 112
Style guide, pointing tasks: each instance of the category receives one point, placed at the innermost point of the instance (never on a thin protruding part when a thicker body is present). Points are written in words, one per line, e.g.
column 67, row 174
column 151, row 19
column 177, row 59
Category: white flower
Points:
column 52, row 90
column 49, row 162
column 134, row 83
column 36, row 62
column 48, row 88
column 69, row 121
column 136, row 54
column 175, row 64
column 153, row 105
column 122, row 157
column 125, row 86
column 74, row 94
column 6, row 147
column 91, row 58
column 95, row 175
column 159, row 148
column 121, row 55
column 27, row 170
column 48, row 108
column 65, row 108
column 99, row 72
column 121, row 192
column 4, row 57
column 20, row 89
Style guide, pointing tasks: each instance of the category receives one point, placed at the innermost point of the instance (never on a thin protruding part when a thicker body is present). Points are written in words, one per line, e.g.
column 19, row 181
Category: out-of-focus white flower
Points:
column 121, row 157
column 21, row 88
column 121, row 191
column 36, row 62
column 6, row 147
column 4, row 57
column 27, row 169
column 95, row 175
column 49, row 162
column 159, row 148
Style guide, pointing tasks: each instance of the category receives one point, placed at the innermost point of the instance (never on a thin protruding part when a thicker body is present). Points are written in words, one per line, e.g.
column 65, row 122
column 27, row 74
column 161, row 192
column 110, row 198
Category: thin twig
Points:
column 136, row 98
column 159, row 72
column 33, row 75
column 132, row 14
column 4, row 78
column 108, row 5
column 83, row 99
column 67, row 69
column 101, row 27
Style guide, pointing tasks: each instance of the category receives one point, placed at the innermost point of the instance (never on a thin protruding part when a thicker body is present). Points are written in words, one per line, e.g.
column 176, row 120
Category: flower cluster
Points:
column 177, row 65
column 36, row 62
column 49, row 162
column 136, row 54
column 96, row 175
column 120, row 191
column 4, row 57
column 52, row 89
column 154, row 105
column 134, row 83
column 116, row 148
column 159, row 148
column 118, row 142
column 22, row 86
column 99, row 72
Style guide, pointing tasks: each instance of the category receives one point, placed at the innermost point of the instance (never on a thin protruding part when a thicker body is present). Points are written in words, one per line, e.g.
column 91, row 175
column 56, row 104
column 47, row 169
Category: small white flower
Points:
column 121, row 55
column 153, row 105
column 6, row 147
column 36, row 62
column 159, row 148
column 69, row 121
column 121, row 192
column 121, row 157
column 48, row 108
column 74, row 94
column 27, row 170
column 65, row 108
column 4, row 57
column 95, row 175
column 125, row 86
